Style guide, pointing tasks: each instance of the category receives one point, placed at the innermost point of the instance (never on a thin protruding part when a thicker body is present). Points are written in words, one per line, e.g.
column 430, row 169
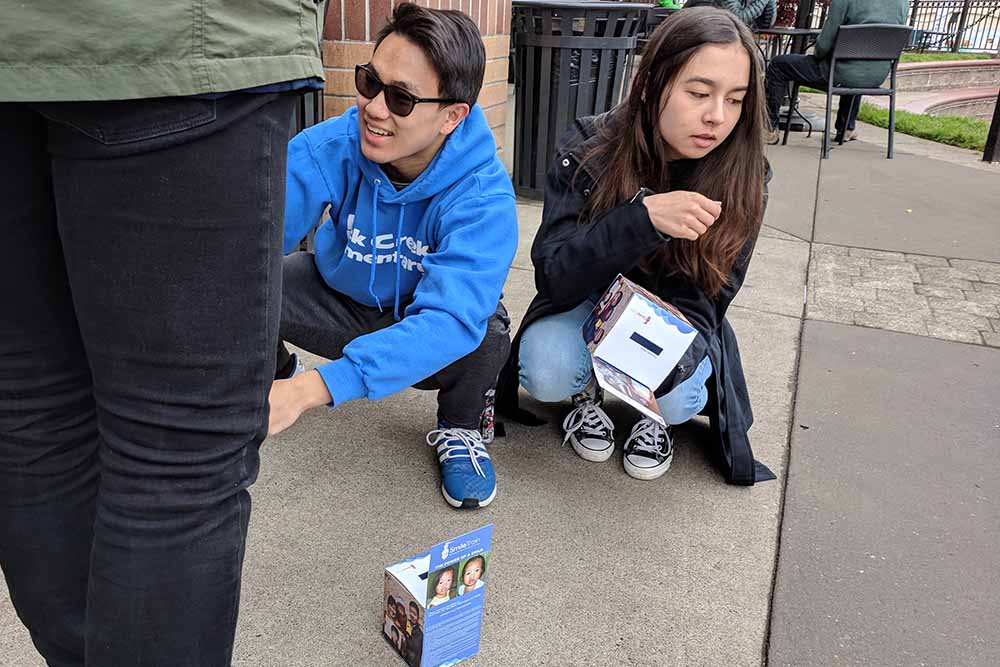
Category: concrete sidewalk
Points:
column 892, row 434
column 590, row 566
column 891, row 518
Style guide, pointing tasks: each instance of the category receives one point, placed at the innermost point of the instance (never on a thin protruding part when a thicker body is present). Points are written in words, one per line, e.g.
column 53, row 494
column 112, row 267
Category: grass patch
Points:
column 952, row 130
column 943, row 57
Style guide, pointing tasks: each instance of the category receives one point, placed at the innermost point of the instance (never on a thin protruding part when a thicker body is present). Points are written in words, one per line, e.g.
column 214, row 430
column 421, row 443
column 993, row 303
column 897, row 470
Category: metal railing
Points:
column 955, row 25
column 942, row 25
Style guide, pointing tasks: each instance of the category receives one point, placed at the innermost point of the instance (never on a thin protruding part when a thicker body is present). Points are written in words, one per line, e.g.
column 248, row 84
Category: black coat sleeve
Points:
column 573, row 260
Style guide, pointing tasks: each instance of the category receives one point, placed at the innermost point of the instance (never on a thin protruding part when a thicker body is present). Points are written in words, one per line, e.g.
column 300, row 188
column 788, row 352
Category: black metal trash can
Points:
column 308, row 111
column 572, row 60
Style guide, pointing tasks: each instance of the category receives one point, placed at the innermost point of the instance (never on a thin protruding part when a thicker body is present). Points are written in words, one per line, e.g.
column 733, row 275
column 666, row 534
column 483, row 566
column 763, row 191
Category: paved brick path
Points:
column 953, row 299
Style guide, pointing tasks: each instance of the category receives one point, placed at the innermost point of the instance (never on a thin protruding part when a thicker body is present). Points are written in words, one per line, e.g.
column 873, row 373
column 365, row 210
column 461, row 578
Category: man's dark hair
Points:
column 451, row 42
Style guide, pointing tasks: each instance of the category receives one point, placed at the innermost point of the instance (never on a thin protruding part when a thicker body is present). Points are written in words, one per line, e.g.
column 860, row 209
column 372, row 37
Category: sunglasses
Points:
column 399, row 100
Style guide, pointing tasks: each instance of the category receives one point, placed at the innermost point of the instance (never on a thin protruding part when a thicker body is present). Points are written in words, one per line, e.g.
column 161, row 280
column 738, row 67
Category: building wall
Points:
column 348, row 38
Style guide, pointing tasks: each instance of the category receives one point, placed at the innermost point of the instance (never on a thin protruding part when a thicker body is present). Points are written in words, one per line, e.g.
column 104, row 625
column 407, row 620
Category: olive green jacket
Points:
column 54, row 50
column 859, row 73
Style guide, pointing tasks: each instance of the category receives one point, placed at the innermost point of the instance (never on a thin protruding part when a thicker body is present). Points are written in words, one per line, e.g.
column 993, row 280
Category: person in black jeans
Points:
column 140, row 284
column 807, row 70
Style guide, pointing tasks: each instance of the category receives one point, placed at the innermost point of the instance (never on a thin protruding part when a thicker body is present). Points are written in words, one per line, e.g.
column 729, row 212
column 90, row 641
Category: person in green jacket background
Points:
column 143, row 187
column 814, row 69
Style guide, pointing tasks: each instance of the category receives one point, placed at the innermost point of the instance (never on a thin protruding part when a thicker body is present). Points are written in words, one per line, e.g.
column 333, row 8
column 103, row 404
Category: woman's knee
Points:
column 553, row 363
column 688, row 398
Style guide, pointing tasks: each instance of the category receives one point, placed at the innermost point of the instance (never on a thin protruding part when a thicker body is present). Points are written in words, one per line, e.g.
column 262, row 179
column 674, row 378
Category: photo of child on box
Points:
column 667, row 189
column 440, row 590
column 473, row 571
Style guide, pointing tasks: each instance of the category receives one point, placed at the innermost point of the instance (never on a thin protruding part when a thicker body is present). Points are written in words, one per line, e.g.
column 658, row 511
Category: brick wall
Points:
column 351, row 26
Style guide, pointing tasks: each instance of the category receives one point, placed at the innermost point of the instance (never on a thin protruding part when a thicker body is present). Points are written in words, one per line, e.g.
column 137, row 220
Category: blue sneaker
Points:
column 291, row 369
column 467, row 476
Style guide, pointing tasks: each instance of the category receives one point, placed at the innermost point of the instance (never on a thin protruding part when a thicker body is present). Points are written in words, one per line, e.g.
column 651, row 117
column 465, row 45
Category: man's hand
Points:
column 290, row 398
column 681, row 214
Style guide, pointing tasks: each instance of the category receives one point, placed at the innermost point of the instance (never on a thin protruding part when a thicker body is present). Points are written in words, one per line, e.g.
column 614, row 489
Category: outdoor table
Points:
column 781, row 41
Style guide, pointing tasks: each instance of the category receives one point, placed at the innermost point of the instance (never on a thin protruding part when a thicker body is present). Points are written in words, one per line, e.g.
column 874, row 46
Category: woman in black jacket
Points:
column 668, row 189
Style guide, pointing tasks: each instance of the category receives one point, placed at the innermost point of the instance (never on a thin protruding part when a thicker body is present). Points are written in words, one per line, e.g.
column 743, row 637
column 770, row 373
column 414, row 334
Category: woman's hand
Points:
column 681, row 214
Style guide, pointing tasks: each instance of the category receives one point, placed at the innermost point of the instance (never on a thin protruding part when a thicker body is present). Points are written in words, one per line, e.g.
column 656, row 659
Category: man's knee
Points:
column 498, row 327
column 785, row 68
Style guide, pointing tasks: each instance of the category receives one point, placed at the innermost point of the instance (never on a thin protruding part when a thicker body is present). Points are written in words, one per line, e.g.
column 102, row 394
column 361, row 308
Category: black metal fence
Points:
column 944, row 25
column 955, row 25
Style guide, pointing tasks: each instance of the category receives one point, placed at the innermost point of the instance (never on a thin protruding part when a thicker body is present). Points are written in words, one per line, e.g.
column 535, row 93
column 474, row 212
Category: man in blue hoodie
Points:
column 405, row 283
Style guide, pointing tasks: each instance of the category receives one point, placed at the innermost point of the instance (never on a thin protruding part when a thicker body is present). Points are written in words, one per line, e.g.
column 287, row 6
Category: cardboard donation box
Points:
column 434, row 602
column 635, row 339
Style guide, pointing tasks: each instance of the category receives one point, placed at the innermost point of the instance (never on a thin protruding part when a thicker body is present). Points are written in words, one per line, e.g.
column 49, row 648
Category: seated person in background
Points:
column 755, row 13
column 814, row 70
column 404, row 286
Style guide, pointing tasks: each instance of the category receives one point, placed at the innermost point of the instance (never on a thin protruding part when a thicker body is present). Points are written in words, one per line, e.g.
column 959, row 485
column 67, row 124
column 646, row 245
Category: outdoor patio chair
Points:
column 874, row 41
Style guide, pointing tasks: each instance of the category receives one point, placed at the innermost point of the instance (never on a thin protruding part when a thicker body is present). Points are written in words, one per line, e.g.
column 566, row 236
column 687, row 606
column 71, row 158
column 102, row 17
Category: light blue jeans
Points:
column 555, row 364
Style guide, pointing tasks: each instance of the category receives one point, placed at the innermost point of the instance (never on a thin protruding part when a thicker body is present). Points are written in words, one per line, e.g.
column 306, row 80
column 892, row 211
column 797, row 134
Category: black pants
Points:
column 807, row 71
column 323, row 321
column 140, row 286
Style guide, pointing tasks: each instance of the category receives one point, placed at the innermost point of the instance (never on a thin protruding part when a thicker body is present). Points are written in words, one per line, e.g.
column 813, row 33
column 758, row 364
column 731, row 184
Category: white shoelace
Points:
column 590, row 418
column 649, row 437
column 459, row 443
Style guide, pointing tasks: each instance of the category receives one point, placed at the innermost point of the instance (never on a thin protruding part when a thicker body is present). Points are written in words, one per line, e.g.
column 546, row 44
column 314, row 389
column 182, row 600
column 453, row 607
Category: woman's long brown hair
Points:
column 632, row 153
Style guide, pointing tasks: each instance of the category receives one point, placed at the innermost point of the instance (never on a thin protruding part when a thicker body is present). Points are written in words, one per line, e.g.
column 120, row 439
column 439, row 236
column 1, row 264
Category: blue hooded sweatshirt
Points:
column 444, row 243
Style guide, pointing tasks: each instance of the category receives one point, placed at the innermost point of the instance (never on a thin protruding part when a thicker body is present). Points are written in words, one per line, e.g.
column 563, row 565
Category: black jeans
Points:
column 140, row 284
column 807, row 71
column 322, row 320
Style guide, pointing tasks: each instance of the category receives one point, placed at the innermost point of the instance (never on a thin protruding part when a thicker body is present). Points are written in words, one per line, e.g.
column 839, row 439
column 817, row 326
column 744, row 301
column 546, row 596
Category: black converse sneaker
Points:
column 648, row 450
column 588, row 428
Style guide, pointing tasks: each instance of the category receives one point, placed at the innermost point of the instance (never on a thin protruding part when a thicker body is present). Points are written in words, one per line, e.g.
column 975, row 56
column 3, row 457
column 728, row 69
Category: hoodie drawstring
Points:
column 399, row 251
column 399, row 257
column 371, row 274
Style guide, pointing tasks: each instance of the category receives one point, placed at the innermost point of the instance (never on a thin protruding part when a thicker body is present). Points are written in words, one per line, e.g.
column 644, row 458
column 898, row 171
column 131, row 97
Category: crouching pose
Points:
column 668, row 189
column 405, row 282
